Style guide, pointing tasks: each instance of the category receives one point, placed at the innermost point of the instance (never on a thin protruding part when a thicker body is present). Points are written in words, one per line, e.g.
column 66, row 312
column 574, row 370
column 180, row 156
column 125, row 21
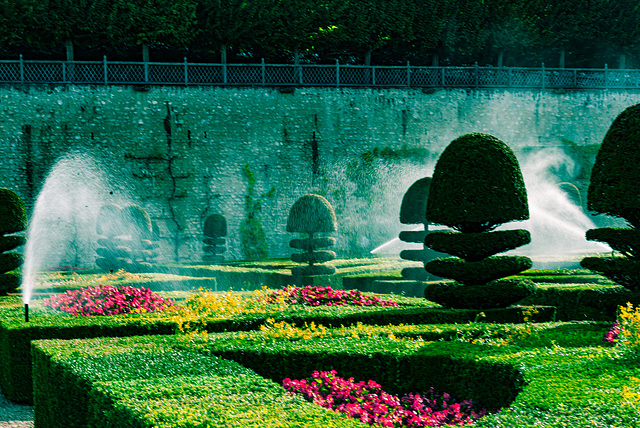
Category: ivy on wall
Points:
column 253, row 239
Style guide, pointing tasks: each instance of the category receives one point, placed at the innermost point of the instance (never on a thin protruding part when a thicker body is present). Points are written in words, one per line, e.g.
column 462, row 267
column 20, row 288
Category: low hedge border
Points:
column 16, row 335
column 161, row 387
column 139, row 380
column 565, row 382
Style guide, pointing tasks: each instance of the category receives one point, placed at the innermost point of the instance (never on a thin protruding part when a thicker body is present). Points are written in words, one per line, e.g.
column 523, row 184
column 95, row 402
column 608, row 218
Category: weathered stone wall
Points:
column 179, row 152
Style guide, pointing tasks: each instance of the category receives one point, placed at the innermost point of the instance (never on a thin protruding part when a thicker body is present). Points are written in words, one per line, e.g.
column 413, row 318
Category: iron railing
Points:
column 155, row 73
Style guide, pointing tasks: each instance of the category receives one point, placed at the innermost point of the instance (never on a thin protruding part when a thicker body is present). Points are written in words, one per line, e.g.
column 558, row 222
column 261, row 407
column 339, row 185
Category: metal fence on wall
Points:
column 336, row 75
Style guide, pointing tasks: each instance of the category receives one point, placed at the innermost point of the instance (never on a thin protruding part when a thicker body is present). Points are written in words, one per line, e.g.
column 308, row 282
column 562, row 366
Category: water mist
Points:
column 62, row 225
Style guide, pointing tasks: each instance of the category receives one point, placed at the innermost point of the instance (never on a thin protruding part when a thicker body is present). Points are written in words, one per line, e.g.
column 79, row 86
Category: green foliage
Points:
column 477, row 246
column 11, row 242
column 622, row 270
column 253, row 238
column 495, row 294
column 480, row 272
column 215, row 226
column 136, row 222
column 312, row 214
column 477, row 185
column 414, row 202
column 615, row 178
column 13, row 214
column 624, row 240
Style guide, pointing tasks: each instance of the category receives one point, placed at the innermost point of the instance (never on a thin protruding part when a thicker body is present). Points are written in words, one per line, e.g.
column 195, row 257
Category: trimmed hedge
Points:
column 559, row 377
column 16, row 335
column 496, row 294
column 473, row 247
column 157, row 385
column 622, row 270
column 480, row 272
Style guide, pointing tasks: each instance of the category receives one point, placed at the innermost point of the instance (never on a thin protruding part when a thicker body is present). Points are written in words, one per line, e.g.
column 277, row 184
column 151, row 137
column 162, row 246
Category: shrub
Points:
column 477, row 185
column 614, row 190
column 413, row 211
column 13, row 218
column 309, row 215
column 126, row 238
column 629, row 330
column 215, row 230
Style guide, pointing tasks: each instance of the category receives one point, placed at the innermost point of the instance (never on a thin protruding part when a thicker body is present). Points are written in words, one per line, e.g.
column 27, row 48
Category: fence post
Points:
column 104, row 68
column 510, row 77
column 21, row 69
column 264, row 73
column 337, row 73
column 146, row 72
column 542, row 80
column 408, row 75
column 299, row 74
column 373, row 76
column 64, row 72
column 442, row 80
column 475, row 74
column 224, row 72
column 606, row 76
column 186, row 72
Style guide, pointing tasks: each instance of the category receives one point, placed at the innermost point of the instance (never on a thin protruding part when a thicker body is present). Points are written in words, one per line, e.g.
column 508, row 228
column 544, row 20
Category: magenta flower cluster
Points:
column 326, row 296
column 367, row 402
column 611, row 336
column 108, row 300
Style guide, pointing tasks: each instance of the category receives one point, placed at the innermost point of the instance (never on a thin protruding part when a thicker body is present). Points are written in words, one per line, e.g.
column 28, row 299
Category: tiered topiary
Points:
column 412, row 211
column 13, row 218
column 615, row 190
column 126, row 238
column 477, row 185
column 215, row 230
column 312, row 214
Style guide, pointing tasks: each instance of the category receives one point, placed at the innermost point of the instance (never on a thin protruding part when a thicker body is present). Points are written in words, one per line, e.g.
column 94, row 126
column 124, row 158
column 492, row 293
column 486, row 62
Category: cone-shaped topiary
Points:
column 13, row 218
column 614, row 189
column 477, row 185
column 412, row 211
column 215, row 230
column 309, row 215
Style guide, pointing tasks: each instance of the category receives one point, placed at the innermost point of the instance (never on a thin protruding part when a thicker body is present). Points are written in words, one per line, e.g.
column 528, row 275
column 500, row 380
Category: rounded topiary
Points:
column 13, row 214
column 309, row 215
column 477, row 185
column 414, row 202
column 614, row 188
column 215, row 226
column 136, row 222
column 215, row 229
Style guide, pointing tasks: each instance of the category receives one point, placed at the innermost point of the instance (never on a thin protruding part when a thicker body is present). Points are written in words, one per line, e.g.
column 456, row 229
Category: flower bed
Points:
column 108, row 300
column 326, row 296
column 367, row 402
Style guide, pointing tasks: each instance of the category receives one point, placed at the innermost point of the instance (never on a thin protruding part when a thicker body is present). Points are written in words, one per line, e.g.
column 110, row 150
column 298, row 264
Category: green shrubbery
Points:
column 615, row 190
column 13, row 218
column 476, row 186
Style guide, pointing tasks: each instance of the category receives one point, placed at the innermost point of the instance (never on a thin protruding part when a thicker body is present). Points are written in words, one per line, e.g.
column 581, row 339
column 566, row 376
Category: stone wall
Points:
column 180, row 151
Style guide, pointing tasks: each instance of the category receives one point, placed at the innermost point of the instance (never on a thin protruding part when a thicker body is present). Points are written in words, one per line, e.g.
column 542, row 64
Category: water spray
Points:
column 26, row 312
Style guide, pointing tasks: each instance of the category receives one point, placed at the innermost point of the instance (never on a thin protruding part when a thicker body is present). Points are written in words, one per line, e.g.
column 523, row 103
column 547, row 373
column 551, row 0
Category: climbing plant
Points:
column 253, row 239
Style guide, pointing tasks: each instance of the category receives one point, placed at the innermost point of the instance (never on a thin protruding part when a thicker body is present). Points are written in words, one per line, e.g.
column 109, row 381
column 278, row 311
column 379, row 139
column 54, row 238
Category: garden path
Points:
column 15, row 415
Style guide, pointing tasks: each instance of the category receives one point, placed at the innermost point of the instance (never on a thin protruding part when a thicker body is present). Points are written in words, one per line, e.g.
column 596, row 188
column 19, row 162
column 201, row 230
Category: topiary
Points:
column 412, row 211
column 309, row 215
column 126, row 241
column 215, row 229
column 13, row 218
column 477, row 185
column 614, row 189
